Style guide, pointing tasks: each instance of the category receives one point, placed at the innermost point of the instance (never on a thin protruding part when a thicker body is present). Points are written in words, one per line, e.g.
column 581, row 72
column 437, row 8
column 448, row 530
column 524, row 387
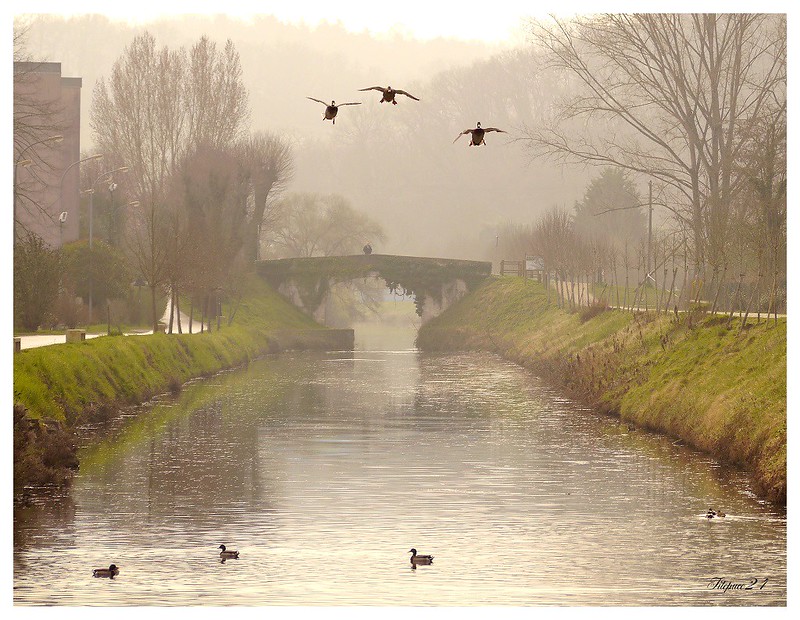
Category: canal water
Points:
column 324, row 469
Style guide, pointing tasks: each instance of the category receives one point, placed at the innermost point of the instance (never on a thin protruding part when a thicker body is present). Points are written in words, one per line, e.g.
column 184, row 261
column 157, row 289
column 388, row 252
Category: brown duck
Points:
column 420, row 559
column 226, row 554
column 333, row 109
column 477, row 134
column 389, row 93
column 109, row 572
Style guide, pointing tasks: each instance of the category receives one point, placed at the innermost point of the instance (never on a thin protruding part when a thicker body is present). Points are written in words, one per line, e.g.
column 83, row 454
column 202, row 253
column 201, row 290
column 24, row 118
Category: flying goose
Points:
column 389, row 93
column 332, row 109
column 477, row 134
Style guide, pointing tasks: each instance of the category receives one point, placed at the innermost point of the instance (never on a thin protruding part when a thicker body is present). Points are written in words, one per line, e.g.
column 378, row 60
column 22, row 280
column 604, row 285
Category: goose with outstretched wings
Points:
column 389, row 93
column 333, row 109
column 478, row 134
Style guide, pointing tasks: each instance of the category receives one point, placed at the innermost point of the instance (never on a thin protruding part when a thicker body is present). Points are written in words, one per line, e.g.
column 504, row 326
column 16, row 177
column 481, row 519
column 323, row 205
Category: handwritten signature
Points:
column 719, row 583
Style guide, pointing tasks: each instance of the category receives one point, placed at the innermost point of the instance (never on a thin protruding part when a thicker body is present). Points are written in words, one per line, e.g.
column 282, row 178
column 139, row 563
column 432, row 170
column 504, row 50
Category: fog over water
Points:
column 397, row 163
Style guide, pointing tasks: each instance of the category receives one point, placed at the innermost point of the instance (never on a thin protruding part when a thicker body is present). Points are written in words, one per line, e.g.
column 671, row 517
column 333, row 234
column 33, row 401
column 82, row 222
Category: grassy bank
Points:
column 58, row 388
column 720, row 390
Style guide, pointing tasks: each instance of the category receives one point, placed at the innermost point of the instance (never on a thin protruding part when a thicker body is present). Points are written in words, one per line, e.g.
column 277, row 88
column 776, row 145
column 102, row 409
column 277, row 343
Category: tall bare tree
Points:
column 156, row 106
column 209, row 200
column 268, row 167
column 216, row 98
column 665, row 95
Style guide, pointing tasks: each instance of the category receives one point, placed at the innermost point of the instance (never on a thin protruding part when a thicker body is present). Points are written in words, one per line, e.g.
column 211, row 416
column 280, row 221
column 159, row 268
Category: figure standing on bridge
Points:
column 368, row 248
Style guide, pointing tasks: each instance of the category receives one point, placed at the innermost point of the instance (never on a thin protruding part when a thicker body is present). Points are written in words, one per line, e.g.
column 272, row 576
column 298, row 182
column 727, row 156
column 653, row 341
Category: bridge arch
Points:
column 435, row 283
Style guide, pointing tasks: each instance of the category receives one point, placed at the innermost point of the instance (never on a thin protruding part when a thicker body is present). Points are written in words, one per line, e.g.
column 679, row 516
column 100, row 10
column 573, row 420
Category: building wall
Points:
column 49, row 104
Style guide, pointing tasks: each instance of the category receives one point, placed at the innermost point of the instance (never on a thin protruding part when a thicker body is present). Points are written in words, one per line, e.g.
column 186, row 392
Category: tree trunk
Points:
column 153, row 308
column 772, row 305
column 719, row 288
column 753, row 295
column 735, row 298
column 171, row 307
column 178, row 311
column 671, row 290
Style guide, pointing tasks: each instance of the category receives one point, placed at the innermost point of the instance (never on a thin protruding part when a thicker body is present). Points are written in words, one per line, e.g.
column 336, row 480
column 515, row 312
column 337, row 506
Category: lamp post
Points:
column 62, row 219
column 90, row 191
column 27, row 162
column 67, row 169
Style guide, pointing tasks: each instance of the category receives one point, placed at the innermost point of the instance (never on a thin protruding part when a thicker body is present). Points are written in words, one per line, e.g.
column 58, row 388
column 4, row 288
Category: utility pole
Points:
column 649, row 229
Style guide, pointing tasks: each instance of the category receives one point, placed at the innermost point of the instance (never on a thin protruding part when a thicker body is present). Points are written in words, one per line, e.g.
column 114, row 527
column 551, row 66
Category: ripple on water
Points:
column 323, row 470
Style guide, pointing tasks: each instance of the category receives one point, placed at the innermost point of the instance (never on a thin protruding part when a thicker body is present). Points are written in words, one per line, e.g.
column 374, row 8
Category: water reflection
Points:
column 331, row 460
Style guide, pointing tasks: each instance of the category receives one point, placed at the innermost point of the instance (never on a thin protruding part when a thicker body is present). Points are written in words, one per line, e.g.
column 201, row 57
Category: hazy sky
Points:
column 493, row 21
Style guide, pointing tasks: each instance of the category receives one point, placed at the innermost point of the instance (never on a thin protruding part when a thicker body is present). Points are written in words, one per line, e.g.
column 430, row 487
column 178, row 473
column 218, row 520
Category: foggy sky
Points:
column 396, row 163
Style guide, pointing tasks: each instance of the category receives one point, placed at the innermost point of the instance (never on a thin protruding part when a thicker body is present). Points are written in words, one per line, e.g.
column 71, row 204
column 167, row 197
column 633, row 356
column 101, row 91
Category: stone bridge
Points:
column 435, row 283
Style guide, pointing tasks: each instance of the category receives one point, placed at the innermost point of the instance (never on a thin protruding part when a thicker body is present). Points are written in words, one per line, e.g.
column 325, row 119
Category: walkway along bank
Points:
column 721, row 390
column 61, row 387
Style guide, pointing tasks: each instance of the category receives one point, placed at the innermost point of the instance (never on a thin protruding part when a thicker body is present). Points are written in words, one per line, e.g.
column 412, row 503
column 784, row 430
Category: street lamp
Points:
column 62, row 219
column 27, row 162
column 67, row 169
column 90, row 191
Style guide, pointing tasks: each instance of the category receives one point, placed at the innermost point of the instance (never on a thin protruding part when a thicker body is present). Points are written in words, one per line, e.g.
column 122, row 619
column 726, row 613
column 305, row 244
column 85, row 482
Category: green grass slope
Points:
column 57, row 388
column 719, row 389
column 61, row 382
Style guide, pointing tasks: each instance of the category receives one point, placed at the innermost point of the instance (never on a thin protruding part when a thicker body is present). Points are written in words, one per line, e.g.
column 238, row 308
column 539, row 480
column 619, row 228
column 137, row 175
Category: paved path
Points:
column 30, row 342
column 33, row 341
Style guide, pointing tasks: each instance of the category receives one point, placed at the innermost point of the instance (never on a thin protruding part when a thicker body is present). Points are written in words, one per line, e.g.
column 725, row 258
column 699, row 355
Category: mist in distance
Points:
column 396, row 163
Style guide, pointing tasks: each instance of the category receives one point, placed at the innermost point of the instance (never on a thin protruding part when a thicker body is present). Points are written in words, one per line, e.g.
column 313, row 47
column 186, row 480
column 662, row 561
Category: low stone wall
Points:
column 76, row 335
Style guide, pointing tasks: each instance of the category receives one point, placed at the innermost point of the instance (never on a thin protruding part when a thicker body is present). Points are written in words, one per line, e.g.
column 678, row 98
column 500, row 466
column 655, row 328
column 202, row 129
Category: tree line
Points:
column 696, row 104
column 171, row 125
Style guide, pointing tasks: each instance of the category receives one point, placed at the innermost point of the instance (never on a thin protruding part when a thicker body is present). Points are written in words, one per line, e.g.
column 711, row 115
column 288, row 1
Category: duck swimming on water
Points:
column 389, row 93
column 477, row 134
column 420, row 559
column 333, row 109
column 228, row 555
column 109, row 572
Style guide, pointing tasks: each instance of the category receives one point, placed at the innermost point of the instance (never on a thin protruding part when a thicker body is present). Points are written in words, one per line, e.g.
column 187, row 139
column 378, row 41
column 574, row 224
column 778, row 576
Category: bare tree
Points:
column 321, row 225
column 268, row 167
column 554, row 241
column 216, row 98
column 207, row 230
column 671, row 92
column 156, row 106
